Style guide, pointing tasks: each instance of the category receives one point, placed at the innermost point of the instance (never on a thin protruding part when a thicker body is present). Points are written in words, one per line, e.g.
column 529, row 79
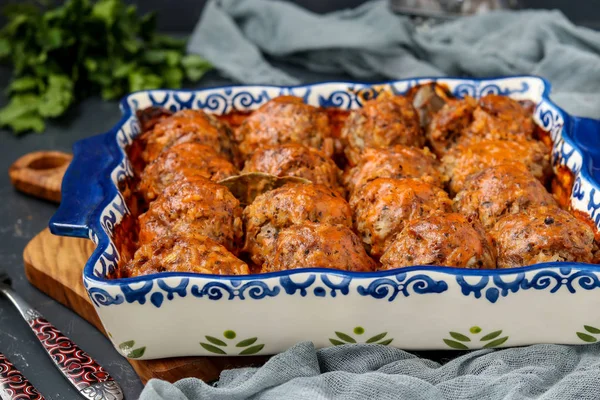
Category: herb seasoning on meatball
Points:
column 445, row 240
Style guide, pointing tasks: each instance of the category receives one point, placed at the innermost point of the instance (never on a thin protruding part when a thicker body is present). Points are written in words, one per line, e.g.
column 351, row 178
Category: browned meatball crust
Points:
column 318, row 246
column 469, row 120
column 449, row 124
column 382, row 122
column 184, row 253
column 294, row 159
column 503, row 189
column 500, row 117
column 444, row 240
column 181, row 163
column 383, row 206
column 197, row 206
column 189, row 126
column 396, row 162
column 285, row 119
column 291, row 204
column 541, row 234
column 466, row 159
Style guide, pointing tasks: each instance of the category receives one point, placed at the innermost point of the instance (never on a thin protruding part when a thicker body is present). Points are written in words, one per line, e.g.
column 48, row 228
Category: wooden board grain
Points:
column 54, row 265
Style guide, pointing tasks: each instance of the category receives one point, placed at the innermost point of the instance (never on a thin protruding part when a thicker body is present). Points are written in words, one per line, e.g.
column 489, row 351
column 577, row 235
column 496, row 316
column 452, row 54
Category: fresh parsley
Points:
column 83, row 48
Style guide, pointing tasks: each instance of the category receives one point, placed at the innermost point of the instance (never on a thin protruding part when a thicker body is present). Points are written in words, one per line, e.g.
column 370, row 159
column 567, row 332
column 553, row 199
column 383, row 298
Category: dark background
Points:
column 22, row 217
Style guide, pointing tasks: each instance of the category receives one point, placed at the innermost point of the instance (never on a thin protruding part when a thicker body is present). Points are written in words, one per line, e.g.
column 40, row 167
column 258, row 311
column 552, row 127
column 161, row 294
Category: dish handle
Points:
column 82, row 187
column 585, row 132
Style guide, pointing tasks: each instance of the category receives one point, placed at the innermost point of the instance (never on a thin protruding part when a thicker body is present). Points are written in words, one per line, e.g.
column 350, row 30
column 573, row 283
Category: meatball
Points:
column 381, row 123
column 383, row 206
column 541, row 234
column 313, row 245
column 500, row 190
column 294, row 159
column 500, row 117
column 446, row 240
column 467, row 159
column 395, row 162
column 184, row 253
column 189, row 126
column 291, row 204
column 285, row 119
column 181, row 163
column 449, row 124
column 197, row 206
column 469, row 120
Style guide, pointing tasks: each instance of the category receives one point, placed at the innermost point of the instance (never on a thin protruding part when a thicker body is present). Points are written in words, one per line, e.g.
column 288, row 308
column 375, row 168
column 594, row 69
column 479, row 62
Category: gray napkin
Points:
column 372, row 42
column 358, row 372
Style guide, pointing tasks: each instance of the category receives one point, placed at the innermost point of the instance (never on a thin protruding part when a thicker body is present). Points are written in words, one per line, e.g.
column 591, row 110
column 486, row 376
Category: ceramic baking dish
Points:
column 183, row 314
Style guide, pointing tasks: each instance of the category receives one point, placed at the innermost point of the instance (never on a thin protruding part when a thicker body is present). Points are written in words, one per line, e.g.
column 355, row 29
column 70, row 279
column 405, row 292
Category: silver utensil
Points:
column 91, row 380
column 14, row 385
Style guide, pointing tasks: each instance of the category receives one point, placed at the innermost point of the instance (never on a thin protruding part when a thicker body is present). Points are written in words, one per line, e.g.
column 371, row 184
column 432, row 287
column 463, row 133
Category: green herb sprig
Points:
column 84, row 48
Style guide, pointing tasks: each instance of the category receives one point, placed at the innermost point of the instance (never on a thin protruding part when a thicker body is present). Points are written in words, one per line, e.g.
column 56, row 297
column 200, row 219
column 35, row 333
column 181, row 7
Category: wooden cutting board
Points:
column 54, row 265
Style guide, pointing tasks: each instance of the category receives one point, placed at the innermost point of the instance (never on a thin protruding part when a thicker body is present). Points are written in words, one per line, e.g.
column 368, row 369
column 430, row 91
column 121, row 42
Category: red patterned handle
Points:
column 13, row 385
column 76, row 365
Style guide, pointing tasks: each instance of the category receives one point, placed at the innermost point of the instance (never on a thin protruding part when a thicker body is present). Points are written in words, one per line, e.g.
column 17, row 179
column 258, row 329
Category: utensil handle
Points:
column 92, row 381
column 13, row 384
column 40, row 173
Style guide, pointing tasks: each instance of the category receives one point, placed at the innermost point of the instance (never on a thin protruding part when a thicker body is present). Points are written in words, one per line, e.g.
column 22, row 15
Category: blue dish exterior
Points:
column 92, row 206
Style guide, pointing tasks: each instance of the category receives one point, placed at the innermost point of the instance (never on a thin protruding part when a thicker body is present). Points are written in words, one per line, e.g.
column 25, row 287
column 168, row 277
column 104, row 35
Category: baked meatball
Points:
column 450, row 123
column 500, row 117
column 294, row 159
column 503, row 189
column 285, row 119
column 197, row 206
column 466, row 159
column 469, row 120
column 189, row 126
column 445, row 240
column 541, row 234
column 181, row 163
column 383, row 206
column 396, row 162
column 184, row 253
column 291, row 204
column 318, row 246
column 382, row 122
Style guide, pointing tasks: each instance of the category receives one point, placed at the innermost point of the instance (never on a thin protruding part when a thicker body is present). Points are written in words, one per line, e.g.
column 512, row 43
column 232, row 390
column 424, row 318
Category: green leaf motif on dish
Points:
column 591, row 329
column 252, row 350
column 345, row 338
column 359, row 330
column 216, row 345
column 376, row 338
column 456, row 345
column 458, row 339
column 128, row 350
column 216, row 341
column 246, row 342
column 495, row 343
column 460, row 336
column 212, row 349
column 491, row 336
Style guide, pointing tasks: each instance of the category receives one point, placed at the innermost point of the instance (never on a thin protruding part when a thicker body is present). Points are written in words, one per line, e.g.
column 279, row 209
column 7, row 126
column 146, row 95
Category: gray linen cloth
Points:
column 371, row 42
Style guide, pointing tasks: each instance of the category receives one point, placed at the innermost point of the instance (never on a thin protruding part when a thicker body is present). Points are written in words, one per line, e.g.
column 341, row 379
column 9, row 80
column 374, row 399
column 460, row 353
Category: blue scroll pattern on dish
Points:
column 552, row 280
column 390, row 287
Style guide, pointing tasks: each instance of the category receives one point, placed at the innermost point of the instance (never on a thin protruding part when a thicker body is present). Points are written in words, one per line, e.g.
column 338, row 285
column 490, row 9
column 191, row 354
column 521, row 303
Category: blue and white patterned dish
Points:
column 184, row 314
